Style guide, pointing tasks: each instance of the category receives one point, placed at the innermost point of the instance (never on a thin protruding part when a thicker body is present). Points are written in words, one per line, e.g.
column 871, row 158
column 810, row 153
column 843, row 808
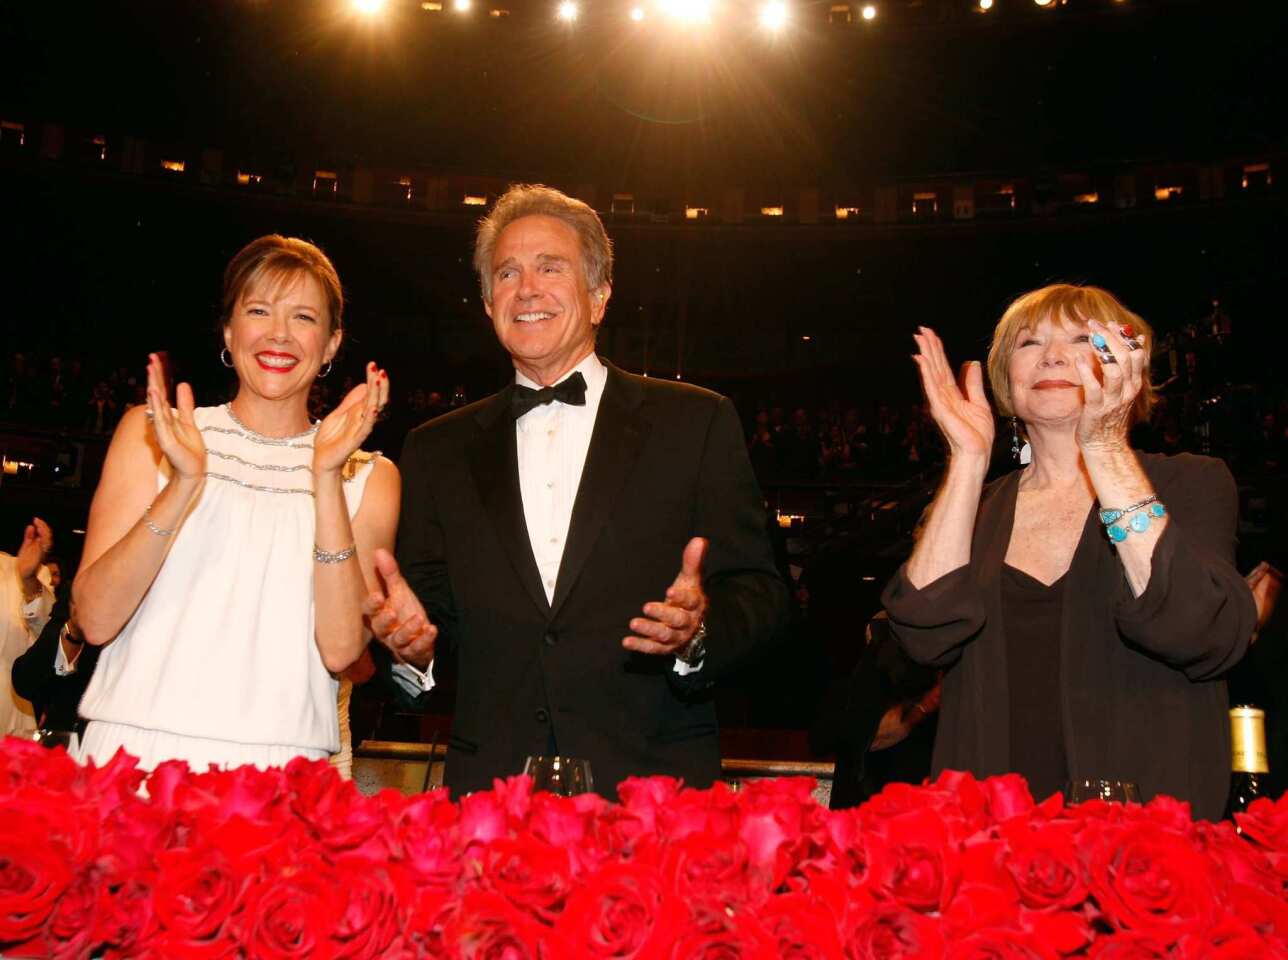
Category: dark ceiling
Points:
column 927, row 87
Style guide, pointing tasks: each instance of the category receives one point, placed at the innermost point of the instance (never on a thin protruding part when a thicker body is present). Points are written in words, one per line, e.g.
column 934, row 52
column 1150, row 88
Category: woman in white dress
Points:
column 229, row 548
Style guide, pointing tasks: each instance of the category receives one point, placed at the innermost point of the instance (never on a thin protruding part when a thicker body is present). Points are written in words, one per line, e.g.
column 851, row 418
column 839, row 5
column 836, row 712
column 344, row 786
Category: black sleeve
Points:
column 1197, row 612
column 748, row 606
column 33, row 672
column 421, row 554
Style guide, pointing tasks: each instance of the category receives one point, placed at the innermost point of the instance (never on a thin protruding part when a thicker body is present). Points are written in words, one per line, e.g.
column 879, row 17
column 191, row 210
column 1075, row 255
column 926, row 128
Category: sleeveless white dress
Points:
column 219, row 664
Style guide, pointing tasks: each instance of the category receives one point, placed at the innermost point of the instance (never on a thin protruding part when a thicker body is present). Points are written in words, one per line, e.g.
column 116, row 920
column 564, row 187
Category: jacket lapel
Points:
column 615, row 445
column 494, row 461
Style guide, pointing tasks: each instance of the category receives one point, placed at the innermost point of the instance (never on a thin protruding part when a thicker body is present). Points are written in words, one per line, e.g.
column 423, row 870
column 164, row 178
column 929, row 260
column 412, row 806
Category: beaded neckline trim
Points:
column 271, row 441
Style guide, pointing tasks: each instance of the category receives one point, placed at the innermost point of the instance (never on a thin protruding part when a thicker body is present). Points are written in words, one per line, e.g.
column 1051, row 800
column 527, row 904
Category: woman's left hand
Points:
column 1110, row 392
column 348, row 425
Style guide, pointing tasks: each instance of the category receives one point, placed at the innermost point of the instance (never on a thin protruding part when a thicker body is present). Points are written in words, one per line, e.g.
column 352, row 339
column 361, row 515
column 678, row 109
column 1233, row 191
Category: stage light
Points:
column 986, row 5
column 369, row 7
column 567, row 11
column 461, row 6
column 773, row 15
column 687, row 11
column 869, row 11
column 1043, row 3
column 637, row 14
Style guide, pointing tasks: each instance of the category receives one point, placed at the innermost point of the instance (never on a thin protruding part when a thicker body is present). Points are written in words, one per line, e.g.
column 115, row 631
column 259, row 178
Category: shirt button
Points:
column 542, row 715
column 554, row 539
column 550, row 584
column 549, row 484
column 551, row 638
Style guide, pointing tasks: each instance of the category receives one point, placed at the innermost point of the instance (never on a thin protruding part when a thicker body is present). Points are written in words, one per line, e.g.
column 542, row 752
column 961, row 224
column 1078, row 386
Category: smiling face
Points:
column 541, row 308
column 1044, row 383
column 279, row 335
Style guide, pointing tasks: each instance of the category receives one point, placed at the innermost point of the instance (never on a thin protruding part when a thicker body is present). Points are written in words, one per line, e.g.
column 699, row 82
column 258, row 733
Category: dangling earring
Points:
column 1022, row 454
column 322, row 373
column 228, row 360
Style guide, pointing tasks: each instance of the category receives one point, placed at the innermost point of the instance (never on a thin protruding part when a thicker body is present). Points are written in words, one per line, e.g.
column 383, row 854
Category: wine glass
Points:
column 565, row 776
column 1115, row 791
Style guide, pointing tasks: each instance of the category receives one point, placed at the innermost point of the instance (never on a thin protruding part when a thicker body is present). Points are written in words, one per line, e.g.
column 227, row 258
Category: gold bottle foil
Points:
column 1248, row 738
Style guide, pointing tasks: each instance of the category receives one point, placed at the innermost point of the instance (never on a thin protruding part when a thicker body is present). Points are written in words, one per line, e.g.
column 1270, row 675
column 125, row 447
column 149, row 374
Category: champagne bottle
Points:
column 1248, row 760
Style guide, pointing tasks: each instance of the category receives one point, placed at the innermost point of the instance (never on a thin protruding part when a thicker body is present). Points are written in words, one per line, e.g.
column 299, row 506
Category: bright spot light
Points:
column 369, row 7
column 637, row 14
column 870, row 11
column 687, row 11
column 1043, row 3
column 773, row 15
column 567, row 11
column 460, row 6
column 986, row 4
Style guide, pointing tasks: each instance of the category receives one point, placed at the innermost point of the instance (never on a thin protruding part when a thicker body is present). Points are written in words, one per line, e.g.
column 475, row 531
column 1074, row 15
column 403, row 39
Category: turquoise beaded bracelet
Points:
column 1139, row 521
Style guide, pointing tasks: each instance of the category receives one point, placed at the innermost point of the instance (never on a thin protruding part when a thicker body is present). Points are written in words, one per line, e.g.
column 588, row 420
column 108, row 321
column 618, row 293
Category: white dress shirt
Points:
column 552, row 441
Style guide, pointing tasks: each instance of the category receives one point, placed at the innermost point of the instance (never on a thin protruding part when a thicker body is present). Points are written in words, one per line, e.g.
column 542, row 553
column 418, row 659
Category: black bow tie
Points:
column 571, row 391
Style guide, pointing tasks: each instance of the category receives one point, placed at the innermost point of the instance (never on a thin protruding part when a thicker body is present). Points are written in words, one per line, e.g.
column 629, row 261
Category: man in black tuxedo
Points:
column 542, row 529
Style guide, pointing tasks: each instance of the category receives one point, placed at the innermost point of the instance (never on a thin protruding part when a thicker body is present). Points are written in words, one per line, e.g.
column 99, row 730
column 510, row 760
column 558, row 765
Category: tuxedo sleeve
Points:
column 747, row 599
column 421, row 553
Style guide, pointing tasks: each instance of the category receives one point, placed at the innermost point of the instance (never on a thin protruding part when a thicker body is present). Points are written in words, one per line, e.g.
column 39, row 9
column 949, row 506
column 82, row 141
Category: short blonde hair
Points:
column 1068, row 303
column 278, row 259
column 531, row 200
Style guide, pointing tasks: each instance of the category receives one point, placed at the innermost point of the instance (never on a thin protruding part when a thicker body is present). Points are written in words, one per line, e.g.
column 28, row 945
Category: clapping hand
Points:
column 668, row 625
column 959, row 409
column 1109, row 397
column 176, row 431
column 396, row 616
column 345, row 428
column 37, row 541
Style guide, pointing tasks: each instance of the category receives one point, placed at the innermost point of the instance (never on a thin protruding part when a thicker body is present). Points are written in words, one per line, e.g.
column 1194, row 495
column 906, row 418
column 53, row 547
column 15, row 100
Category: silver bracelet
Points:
column 147, row 522
column 322, row 556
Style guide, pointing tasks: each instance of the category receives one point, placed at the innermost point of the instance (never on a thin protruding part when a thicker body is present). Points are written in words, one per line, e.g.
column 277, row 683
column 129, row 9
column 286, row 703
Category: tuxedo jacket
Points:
column 666, row 462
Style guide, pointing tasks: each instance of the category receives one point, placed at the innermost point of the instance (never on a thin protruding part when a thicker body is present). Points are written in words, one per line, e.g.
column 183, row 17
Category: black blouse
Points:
column 1031, row 612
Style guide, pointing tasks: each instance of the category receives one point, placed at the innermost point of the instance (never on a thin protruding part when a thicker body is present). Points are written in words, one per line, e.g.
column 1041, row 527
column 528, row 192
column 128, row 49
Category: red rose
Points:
column 644, row 796
column 429, row 913
column 1265, row 823
column 292, row 912
column 1243, row 862
column 1263, row 912
column 560, row 821
column 706, row 868
column 25, row 764
column 712, row 812
column 534, row 876
column 72, row 927
column 1150, row 879
column 623, row 911
column 483, row 818
column 1229, row 939
column 370, row 921
column 1130, row 945
column 801, row 928
column 977, row 906
column 618, row 833
column 920, row 866
column 1041, row 861
column 724, row 937
column 1007, row 797
column 343, row 820
column 126, row 922
column 195, row 892
column 1001, row 944
column 487, row 927
column 891, row 932
column 33, row 875
column 426, row 831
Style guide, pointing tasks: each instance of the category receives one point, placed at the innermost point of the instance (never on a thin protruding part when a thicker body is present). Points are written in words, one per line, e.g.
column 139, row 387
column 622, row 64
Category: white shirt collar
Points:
column 591, row 368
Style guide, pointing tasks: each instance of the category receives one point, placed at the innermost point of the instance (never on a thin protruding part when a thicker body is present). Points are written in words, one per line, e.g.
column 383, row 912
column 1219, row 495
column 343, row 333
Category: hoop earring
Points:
column 323, row 373
column 226, row 362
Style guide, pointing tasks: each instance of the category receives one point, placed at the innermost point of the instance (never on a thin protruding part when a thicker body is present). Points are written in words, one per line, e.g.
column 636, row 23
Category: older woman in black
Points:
column 1085, row 606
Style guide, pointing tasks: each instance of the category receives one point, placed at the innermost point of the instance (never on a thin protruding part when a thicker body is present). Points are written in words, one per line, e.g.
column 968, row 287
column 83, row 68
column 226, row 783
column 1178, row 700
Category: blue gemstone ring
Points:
column 1099, row 342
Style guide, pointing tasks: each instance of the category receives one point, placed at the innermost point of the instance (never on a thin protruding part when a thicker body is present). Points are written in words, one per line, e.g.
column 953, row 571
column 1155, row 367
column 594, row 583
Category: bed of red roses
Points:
column 297, row 863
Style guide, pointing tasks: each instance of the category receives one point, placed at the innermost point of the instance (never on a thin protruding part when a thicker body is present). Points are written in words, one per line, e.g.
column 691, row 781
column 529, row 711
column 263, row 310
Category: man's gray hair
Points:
column 528, row 199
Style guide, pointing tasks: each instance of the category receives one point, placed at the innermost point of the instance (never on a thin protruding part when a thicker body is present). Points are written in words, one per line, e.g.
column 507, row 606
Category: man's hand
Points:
column 37, row 541
column 668, row 626
column 397, row 618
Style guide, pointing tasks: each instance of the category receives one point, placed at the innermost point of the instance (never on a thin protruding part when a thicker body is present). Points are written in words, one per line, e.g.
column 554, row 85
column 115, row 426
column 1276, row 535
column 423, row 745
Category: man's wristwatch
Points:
column 695, row 650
